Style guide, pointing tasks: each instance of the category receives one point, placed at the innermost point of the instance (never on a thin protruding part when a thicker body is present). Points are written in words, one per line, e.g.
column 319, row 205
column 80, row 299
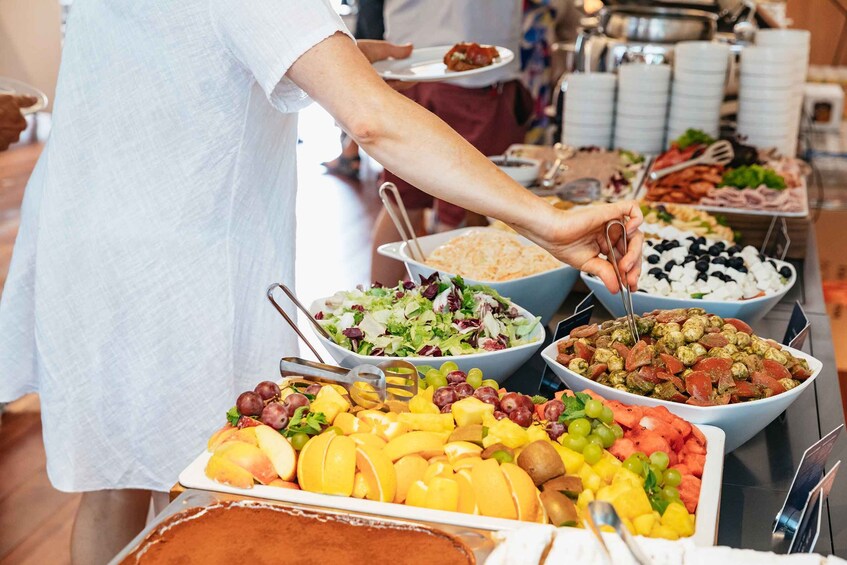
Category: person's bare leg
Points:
column 385, row 270
column 106, row 522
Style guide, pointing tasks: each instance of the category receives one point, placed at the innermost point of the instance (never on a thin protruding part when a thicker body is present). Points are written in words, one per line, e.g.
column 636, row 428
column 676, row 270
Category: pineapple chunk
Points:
column 428, row 422
column 644, row 524
column 607, row 467
column 676, row 517
column 573, row 461
column 471, row 410
column 660, row 531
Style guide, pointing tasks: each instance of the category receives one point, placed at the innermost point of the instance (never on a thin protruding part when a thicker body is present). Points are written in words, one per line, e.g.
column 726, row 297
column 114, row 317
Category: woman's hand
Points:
column 12, row 122
column 578, row 237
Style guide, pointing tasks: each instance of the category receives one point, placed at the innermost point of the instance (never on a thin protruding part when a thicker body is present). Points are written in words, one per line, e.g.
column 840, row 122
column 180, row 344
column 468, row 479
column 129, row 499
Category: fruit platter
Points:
column 702, row 367
column 502, row 260
column 753, row 183
column 468, row 453
column 680, row 269
column 471, row 325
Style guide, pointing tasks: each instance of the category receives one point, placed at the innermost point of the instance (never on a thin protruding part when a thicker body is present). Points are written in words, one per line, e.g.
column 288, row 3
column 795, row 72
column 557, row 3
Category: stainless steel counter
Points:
column 758, row 474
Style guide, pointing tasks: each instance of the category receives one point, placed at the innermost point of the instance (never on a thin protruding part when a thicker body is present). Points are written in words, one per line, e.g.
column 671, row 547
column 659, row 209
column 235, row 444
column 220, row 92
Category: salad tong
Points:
column 397, row 210
column 626, row 295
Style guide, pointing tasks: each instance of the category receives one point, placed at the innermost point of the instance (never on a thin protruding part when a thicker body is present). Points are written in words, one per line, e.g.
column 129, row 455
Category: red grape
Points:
column 485, row 391
column 267, row 390
column 490, row 399
column 249, row 404
column 444, row 395
column 510, row 402
column 294, row 401
column 525, row 401
column 554, row 409
column 456, row 377
column 275, row 415
column 521, row 417
column 463, row 390
column 498, row 415
column 554, row 430
column 447, row 408
column 313, row 389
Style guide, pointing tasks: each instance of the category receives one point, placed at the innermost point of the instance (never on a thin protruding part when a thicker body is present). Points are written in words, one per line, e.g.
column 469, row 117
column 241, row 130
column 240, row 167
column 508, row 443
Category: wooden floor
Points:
column 336, row 215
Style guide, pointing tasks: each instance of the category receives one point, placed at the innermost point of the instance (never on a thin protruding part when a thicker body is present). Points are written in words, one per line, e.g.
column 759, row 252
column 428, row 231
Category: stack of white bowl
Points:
column 698, row 87
column 642, row 112
column 770, row 98
column 589, row 110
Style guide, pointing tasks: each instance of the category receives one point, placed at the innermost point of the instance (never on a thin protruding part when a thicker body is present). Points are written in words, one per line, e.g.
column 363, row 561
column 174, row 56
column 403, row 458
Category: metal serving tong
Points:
column 397, row 210
column 626, row 295
column 392, row 383
column 604, row 514
column 718, row 153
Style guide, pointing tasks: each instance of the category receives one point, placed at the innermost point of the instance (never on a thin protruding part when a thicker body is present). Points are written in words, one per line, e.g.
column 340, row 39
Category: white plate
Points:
column 705, row 529
column 11, row 86
column 740, row 422
column 427, row 65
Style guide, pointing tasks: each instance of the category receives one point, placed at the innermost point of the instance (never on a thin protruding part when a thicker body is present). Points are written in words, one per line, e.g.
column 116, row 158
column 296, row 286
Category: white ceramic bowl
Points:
column 643, row 86
column 645, row 147
column 639, row 123
column 758, row 82
column 710, row 105
column 701, row 56
column 750, row 310
column 644, row 98
column 700, row 90
column 591, row 119
column 643, row 72
column 772, row 107
column 765, row 130
column 684, row 119
column 497, row 365
column 740, row 421
column 784, row 37
column 638, row 138
column 541, row 294
column 595, row 81
column 636, row 111
column 590, row 100
column 770, row 119
column 709, row 79
column 526, row 174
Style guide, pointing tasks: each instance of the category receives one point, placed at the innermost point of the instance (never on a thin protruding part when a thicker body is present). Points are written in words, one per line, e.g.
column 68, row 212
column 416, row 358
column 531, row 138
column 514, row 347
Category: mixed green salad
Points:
column 435, row 318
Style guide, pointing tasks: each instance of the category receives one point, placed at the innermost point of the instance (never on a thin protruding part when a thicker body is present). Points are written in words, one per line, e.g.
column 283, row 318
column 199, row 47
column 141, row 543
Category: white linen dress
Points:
column 160, row 211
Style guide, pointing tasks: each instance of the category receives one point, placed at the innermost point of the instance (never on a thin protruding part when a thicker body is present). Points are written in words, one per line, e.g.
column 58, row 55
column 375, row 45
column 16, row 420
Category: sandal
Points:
column 344, row 166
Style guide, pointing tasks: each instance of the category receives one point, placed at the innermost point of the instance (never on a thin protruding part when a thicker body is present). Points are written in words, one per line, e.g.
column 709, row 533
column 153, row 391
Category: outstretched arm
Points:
column 424, row 150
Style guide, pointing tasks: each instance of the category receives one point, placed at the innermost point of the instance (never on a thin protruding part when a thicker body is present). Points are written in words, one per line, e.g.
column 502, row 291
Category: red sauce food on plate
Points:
column 468, row 56
column 257, row 533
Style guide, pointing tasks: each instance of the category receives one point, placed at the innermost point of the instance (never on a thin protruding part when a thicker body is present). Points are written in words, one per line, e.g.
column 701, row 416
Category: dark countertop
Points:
column 758, row 474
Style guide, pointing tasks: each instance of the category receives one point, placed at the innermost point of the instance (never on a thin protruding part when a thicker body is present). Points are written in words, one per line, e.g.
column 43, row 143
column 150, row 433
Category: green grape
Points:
column 641, row 455
column 436, row 379
column 298, row 440
column 595, row 424
column 491, row 382
column 672, row 478
column 593, row 408
column 671, row 493
column 634, row 464
column 575, row 443
column 595, row 439
column 474, row 378
column 605, row 434
column 593, row 453
column 617, row 430
column 448, row 367
column 656, row 471
column 659, row 459
column 606, row 415
column 579, row 427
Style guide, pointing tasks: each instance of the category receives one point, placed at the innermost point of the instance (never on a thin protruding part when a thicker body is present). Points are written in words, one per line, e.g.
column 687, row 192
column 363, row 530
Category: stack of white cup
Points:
column 698, row 87
column 770, row 98
column 589, row 110
column 643, row 92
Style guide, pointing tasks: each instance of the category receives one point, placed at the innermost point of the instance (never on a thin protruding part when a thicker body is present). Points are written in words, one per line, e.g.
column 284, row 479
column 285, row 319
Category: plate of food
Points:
column 753, row 183
column 506, row 262
column 467, row 454
column 439, row 319
column 445, row 62
column 31, row 99
column 704, row 368
column 697, row 222
column 679, row 270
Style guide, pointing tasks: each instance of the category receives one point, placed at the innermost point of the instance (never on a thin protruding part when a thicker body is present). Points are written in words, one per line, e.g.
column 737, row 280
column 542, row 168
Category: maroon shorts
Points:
column 490, row 118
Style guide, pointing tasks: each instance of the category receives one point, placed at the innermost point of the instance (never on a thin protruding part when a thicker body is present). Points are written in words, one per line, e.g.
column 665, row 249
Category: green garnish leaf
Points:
column 310, row 424
column 753, row 176
column 574, row 406
column 692, row 137
column 538, row 399
column 232, row 416
column 698, row 295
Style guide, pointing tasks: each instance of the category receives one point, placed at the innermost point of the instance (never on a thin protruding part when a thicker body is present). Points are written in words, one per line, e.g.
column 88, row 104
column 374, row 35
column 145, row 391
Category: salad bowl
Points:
column 498, row 365
column 541, row 293
column 740, row 421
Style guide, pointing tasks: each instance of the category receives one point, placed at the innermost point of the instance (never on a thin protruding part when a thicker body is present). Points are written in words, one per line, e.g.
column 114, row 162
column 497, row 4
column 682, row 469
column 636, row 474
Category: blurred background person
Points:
column 490, row 110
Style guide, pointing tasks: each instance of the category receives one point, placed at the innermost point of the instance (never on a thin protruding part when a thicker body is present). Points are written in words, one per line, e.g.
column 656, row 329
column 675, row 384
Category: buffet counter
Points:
column 757, row 476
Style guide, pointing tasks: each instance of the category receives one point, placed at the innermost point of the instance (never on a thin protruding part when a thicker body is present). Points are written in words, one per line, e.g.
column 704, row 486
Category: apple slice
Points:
column 228, row 473
column 283, row 457
column 248, row 457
